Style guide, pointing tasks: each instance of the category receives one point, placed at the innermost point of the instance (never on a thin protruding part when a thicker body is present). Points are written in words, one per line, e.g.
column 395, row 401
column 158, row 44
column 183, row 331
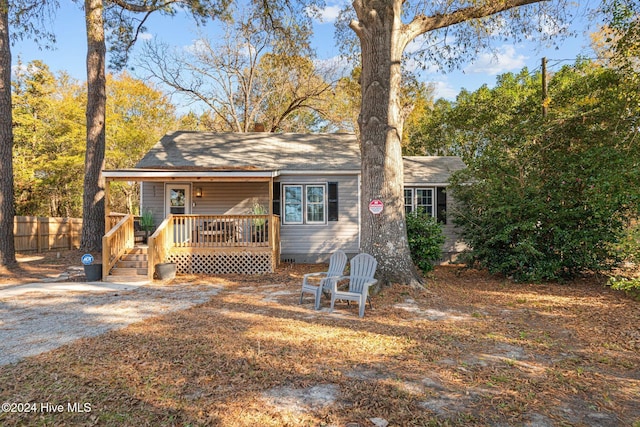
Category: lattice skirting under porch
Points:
column 223, row 262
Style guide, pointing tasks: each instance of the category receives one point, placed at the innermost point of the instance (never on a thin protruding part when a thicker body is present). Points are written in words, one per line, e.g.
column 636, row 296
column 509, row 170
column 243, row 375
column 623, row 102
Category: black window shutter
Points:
column 442, row 205
column 276, row 198
column 332, row 201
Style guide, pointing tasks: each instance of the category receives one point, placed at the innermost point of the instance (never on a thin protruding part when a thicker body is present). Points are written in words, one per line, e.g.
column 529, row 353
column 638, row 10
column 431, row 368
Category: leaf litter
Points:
column 473, row 350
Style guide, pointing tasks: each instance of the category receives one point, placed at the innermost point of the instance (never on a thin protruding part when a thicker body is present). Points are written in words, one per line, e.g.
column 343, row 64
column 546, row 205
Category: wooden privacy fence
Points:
column 40, row 234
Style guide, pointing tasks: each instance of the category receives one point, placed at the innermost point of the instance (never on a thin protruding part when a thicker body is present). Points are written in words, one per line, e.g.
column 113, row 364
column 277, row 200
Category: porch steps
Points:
column 131, row 267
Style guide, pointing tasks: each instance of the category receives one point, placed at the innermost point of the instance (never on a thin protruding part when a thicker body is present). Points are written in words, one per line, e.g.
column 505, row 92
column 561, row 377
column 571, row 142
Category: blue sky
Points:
column 69, row 53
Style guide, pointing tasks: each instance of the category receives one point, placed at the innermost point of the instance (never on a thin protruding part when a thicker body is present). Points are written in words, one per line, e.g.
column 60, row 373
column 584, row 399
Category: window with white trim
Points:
column 315, row 203
column 293, row 204
column 408, row 200
column 424, row 200
column 430, row 200
column 304, row 204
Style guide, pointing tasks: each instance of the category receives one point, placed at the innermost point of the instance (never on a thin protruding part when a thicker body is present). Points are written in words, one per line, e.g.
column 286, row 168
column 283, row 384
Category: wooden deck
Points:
column 203, row 244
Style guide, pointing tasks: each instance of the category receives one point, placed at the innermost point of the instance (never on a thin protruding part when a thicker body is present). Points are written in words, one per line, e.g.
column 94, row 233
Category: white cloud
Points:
column 333, row 68
column 549, row 26
column 145, row 36
column 443, row 89
column 415, row 45
column 506, row 59
column 330, row 13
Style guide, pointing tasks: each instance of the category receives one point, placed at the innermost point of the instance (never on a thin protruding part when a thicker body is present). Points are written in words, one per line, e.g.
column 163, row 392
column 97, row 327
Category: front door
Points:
column 178, row 202
column 178, row 199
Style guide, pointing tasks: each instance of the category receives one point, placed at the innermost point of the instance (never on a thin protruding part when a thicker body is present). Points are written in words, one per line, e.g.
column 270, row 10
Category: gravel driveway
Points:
column 37, row 318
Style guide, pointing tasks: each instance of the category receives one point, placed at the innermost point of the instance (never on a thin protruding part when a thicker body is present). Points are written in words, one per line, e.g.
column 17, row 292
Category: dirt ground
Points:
column 35, row 267
column 473, row 349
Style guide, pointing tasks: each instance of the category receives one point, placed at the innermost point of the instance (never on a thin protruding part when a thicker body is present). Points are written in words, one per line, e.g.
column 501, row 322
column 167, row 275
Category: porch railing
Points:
column 115, row 243
column 193, row 231
column 160, row 243
column 113, row 219
column 208, row 231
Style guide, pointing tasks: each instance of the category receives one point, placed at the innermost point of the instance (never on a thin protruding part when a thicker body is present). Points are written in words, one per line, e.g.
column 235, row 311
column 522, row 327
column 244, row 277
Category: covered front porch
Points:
column 200, row 244
column 206, row 222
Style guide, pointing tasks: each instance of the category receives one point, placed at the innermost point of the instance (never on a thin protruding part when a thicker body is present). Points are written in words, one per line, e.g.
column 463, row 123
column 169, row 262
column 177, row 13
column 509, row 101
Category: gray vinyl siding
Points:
column 218, row 198
column 302, row 243
column 453, row 245
column 230, row 198
column 310, row 243
column 153, row 199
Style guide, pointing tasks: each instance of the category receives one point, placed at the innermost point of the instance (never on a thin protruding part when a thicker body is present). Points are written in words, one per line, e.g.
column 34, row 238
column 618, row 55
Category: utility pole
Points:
column 544, row 87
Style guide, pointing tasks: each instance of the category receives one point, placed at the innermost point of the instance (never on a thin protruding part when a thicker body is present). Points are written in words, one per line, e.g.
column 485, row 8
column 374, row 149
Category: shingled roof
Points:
column 261, row 151
column 254, row 151
column 431, row 169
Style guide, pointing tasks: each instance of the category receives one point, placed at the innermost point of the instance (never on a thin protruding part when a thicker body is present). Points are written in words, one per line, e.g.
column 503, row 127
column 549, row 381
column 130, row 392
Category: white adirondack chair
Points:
column 363, row 268
column 337, row 262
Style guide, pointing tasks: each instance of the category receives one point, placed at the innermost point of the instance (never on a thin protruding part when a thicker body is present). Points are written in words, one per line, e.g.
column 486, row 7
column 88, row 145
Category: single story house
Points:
column 242, row 202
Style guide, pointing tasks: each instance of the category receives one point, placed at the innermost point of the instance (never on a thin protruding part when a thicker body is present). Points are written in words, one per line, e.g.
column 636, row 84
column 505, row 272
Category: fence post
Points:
column 69, row 224
column 38, row 244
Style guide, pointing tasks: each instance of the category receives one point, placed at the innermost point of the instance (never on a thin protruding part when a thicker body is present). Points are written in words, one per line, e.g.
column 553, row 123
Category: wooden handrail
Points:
column 113, row 219
column 159, row 245
column 213, row 231
column 206, row 231
column 115, row 243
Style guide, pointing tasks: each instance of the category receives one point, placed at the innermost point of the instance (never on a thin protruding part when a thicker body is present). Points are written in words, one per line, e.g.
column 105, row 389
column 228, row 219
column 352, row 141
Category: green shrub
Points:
column 629, row 286
column 146, row 220
column 629, row 246
column 425, row 239
column 258, row 209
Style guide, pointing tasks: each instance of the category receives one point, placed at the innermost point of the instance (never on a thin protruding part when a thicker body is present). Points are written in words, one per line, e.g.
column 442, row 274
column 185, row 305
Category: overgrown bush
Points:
column 629, row 246
column 627, row 279
column 425, row 239
column 552, row 224
column 629, row 286
column 546, row 198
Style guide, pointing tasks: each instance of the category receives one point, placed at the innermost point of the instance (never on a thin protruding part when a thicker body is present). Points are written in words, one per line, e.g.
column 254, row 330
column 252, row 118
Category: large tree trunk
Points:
column 93, row 200
column 7, row 208
column 384, row 235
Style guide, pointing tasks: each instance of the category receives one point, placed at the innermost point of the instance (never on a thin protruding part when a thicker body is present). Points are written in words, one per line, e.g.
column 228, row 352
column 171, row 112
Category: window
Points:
column 424, row 200
column 293, row 204
column 315, row 204
column 408, row 200
column 430, row 200
column 307, row 204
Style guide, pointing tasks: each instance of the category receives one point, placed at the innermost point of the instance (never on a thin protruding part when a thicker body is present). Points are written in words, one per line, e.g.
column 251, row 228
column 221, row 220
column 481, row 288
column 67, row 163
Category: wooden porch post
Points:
column 106, row 250
column 107, row 203
column 270, row 196
column 271, row 229
column 151, row 249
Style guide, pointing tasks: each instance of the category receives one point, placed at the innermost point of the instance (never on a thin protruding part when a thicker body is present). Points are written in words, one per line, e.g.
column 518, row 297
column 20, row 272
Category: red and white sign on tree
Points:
column 376, row 206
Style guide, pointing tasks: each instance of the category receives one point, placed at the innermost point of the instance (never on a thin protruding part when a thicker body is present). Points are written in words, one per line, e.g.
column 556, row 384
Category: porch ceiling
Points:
column 202, row 175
